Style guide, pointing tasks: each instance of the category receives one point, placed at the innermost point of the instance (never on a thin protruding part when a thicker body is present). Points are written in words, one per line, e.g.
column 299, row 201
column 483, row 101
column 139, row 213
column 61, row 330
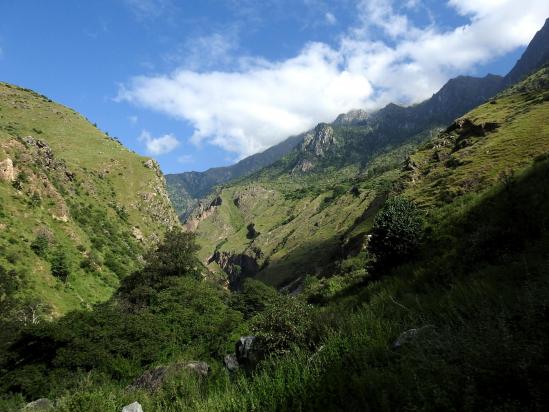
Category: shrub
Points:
column 40, row 245
column 60, row 266
column 285, row 323
column 396, row 234
column 253, row 297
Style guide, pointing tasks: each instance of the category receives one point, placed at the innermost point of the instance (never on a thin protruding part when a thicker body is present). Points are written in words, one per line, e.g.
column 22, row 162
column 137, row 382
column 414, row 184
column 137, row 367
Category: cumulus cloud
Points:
column 259, row 104
column 158, row 145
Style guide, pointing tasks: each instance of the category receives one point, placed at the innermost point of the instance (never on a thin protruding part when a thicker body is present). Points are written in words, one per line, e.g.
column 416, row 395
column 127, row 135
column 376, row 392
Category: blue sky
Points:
column 202, row 83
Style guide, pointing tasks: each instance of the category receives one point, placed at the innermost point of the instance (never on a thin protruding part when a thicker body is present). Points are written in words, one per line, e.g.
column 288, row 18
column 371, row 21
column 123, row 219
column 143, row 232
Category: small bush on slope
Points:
column 396, row 234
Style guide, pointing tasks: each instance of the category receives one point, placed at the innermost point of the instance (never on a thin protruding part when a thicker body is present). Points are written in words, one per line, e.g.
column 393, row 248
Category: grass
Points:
column 105, row 175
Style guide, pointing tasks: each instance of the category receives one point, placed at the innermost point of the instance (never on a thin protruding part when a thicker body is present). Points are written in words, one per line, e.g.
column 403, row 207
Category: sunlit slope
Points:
column 67, row 182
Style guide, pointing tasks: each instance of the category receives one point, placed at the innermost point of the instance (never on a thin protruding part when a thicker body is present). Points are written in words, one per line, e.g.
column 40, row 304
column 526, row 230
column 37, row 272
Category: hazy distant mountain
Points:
column 186, row 188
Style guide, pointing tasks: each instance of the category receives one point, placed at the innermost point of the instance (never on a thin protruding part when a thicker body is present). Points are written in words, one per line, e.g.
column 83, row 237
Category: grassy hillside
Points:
column 76, row 207
column 460, row 324
column 317, row 222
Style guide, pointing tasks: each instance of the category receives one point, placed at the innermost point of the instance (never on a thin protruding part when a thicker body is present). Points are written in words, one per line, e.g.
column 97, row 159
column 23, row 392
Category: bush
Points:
column 60, row 266
column 253, row 297
column 40, row 245
column 285, row 323
column 396, row 234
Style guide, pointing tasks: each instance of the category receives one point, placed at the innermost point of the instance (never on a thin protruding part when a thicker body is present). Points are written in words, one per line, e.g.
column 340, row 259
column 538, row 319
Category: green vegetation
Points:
column 72, row 208
column 415, row 281
column 396, row 234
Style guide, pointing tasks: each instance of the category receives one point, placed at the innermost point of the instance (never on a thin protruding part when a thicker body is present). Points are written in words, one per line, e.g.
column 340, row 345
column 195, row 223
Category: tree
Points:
column 253, row 297
column 60, row 266
column 175, row 256
column 40, row 245
column 396, row 234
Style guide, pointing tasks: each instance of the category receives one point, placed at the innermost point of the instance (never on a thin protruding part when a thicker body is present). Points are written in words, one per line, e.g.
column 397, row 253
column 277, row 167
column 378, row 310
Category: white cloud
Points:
column 259, row 104
column 158, row 145
column 185, row 159
column 133, row 119
column 144, row 9
column 330, row 18
column 205, row 52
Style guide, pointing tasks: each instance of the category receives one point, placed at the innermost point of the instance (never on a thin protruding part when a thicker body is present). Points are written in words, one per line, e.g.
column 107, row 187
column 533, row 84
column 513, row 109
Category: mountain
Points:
column 388, row 125
column 535, row 56
column 312, row 208
column 462, row 300
column 187, row 188
column 77, row 208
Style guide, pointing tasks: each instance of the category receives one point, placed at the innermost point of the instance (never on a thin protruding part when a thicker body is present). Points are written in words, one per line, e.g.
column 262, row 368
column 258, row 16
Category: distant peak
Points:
column 351, row 117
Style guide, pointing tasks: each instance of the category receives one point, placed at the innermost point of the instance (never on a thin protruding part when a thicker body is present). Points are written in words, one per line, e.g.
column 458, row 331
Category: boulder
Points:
column 133, row 407
column 153, row 379
column 42, row 404
column 7, row 171
column 231, row 362
column 249, row 351
column 200, row 368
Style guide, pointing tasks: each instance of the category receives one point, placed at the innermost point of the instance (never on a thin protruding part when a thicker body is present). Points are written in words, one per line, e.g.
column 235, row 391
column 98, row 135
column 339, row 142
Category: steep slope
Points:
column 280, row 226
column 535, row 56
column 77, row 208
column 388, row 126
column 187, row 188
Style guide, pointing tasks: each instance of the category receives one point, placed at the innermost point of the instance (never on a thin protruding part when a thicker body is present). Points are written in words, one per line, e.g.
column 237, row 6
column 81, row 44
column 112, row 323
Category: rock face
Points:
column 153, row 165
column 237, row 266
column 201, row 213
column 7, row 171
column 354, row 117
column 320, row 140
column 133, row 407
column 249, row 351
column 42, row 404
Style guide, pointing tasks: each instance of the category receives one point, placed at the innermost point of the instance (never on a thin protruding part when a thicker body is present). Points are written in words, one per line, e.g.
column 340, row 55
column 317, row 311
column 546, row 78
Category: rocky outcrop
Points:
column 7, row 171
column 249, row 351
column 351, row 118
column 153, row 165
column 202, row 212
column 319, row 141
column 153, row 379
column 237, row 266
column 465, row 127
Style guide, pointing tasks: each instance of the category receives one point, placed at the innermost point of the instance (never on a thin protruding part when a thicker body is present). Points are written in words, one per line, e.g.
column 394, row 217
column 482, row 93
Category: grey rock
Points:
column 201, row 368
column 7, row 171
column 133, row 407
column 42, row 404
column 231, row 362
column 153, row 379
column 249, row 351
